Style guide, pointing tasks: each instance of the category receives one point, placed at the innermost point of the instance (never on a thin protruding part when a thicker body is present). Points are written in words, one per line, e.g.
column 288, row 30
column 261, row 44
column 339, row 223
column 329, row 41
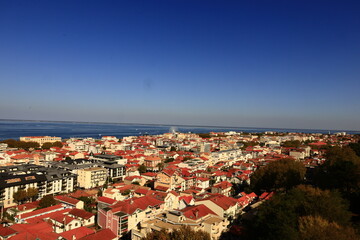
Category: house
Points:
column 92, row 177
column 169, row 179
column 71, row 202
column 86, row 218
column 223, row 188
column 123, row 216
column 197, row 217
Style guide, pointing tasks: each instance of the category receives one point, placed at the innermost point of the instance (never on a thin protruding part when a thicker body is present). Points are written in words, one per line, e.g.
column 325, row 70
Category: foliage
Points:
column 142, row 168
column 126, row 192
column 160, row 166
column 100, row 193
column 247, row 144
column 341, row 171
column 315, row 227
column 293, row 143
column 57, row 144
column 12, row 143
column 279, row 175
column 172, row 149
column 47, row 145
column 279, row 217
column 169, row 160
column 204, row 135
column 20, row 196
column 355, row 147
column 32, row 193
column 183, row 233
column 47, row 201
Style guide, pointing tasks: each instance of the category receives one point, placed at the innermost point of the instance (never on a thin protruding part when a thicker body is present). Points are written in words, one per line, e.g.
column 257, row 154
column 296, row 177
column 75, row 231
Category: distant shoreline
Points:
column 178, row 125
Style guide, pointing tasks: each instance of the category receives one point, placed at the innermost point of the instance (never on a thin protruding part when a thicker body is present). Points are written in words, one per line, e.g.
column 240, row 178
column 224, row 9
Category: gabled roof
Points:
column 6, row 231
column 196, row 212
column 81, row 213
column 67, row 200
column 106, row 200
column 129, row 206
column 105, row 234
column 77, row 233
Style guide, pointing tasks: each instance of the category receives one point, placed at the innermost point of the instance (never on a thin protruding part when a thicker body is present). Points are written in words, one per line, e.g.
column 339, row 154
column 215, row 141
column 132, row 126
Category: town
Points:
column 130, row 188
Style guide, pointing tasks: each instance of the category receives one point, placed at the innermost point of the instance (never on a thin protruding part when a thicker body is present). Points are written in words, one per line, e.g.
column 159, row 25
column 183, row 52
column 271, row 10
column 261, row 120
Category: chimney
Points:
column 73, row 237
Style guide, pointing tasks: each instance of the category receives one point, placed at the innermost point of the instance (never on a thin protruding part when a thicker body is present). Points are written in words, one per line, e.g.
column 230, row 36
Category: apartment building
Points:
column 40, row 139
column 46, row 180
column 92, row 177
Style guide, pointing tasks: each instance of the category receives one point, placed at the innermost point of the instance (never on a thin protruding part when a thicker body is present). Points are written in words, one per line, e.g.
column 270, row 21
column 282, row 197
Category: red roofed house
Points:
column 197, row 217
column 223, row 188
column 105, row 234
column 222, row 205
column 6, row 232
column 72, row 202
column 123, row 216
column 152, row 163
column 86, row 218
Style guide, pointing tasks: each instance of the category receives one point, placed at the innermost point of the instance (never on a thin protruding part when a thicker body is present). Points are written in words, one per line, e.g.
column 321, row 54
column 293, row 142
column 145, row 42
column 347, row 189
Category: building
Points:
column 40, row 139
column 92, row 177
column 123, row 216
column 21, row 177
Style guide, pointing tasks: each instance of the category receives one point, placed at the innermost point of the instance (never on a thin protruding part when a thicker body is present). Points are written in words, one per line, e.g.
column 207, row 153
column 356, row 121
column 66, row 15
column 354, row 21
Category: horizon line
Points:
column 170, row 125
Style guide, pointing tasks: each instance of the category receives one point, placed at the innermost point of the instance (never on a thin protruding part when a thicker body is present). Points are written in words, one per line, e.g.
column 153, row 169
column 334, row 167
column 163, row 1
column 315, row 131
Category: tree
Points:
column 182, row 233
column 57, row 144
column 355, row 147
column 20, row 196
column 315, row 227
column 47, row 145
column 341, row 171
column 280, row 175
column 31, row 193
column 142, row 168
column 293, row 143
column 169, row 160
column 172, row 149
column 279, row 217
column 160, row 166
column 47, row 201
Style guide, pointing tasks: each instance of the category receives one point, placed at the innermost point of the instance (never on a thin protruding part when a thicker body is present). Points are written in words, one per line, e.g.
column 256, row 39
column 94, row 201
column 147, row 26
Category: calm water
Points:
column 16, row 129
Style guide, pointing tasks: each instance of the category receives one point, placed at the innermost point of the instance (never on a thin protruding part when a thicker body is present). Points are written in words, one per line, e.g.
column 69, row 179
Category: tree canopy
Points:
column 182, row 233
column 282, row 216
column 341, row 171
column 47, row 201
column 279, row 175
column 12, row 143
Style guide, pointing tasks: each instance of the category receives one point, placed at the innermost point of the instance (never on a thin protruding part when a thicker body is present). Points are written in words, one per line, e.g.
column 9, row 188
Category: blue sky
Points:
column 286, row 64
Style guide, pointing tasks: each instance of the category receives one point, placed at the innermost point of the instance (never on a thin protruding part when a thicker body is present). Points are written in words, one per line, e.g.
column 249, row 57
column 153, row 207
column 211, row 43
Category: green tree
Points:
column 142, row 168
column 341, row 171
column 47, row 201
column 172, row 149
column 279, row 217
column 276, row 176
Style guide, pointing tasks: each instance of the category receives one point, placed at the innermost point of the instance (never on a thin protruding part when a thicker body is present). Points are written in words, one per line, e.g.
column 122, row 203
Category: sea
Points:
column 15, row 129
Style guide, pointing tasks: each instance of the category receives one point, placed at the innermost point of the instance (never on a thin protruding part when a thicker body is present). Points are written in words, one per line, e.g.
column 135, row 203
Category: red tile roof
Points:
column 105, row 234
column 81, row 213
column 68, row 200
column 196, row 212
column 106, row 200
column 5, row 231
column 77, row 233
